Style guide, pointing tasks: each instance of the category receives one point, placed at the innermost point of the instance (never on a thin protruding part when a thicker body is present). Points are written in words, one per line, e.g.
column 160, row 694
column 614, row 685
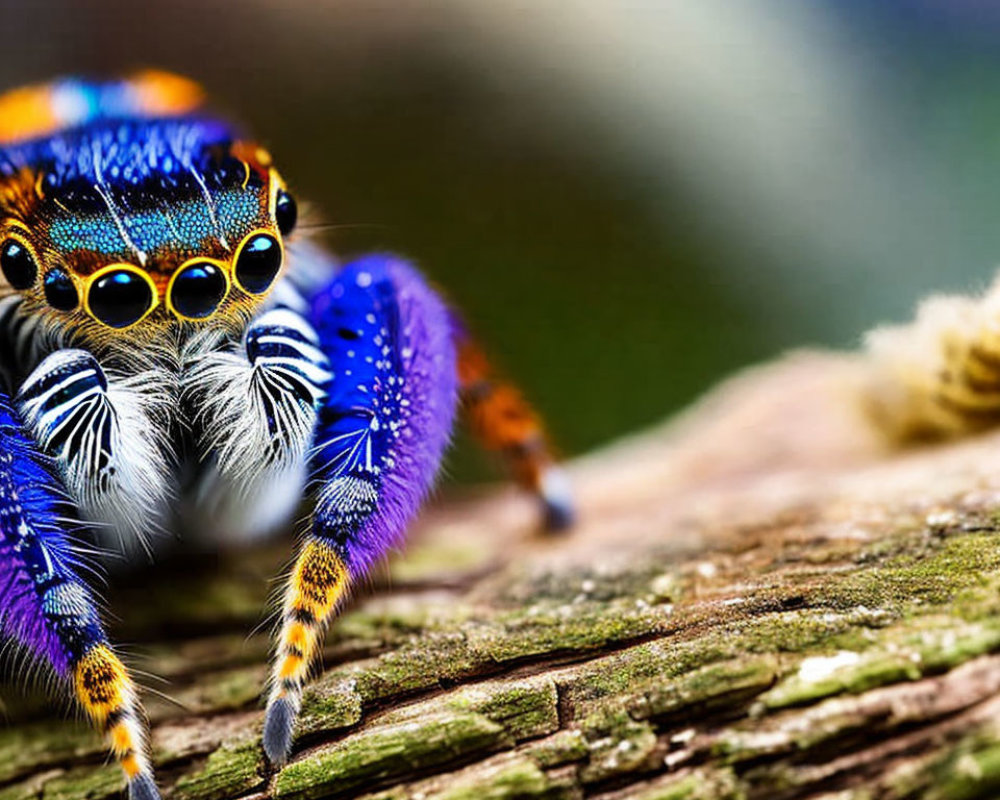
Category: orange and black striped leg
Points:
column 318, row 581
column 107, row 694
column 503, row 422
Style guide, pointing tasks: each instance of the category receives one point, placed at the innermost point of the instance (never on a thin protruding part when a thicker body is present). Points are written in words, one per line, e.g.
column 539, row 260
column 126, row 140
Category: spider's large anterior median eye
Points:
column 120, row 298
column 18, row 264
column 258, row 263
column 60, row 292
column 197, row 290
column 286, row 212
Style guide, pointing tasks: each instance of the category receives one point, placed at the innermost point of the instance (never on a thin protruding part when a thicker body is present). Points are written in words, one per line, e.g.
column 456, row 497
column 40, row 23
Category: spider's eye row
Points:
column 120, row 295
column 286, row 212
column 258, row 263
column 198, row 289
column 18, row 264
column 60, row 292
column 120, row 298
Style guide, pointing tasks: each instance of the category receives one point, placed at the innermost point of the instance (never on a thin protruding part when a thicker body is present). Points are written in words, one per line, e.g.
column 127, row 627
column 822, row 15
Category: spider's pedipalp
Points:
column 46, row 607
column 256, row 416
column 99, row 432
column 382, row 430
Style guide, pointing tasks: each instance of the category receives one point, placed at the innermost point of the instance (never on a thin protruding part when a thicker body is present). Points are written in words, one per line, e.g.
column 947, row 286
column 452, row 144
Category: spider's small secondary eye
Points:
column 60, row 293
column 198, row 289
column 258, row 263
column 286, row 212
column 120, row 298
column 18, row 264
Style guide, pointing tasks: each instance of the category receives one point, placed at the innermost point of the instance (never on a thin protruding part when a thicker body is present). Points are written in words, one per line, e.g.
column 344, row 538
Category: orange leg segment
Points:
column 504, row 422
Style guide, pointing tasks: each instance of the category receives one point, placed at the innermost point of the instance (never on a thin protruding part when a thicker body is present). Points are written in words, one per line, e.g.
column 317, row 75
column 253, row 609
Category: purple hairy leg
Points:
column 382, row 430
column 48, row 609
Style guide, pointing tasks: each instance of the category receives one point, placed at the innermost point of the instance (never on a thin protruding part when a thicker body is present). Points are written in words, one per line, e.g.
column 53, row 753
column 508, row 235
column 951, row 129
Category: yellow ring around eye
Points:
column 277, row 184
column 223, row 268
column 15, row 226
column 120, row 267
column 21, row 233
column 239, row 252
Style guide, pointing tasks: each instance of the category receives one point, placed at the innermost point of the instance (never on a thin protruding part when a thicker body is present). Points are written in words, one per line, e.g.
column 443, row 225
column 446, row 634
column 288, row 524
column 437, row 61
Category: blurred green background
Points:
column 629, row 200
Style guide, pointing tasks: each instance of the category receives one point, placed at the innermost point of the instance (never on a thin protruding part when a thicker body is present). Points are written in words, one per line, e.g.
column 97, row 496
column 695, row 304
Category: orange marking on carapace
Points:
column 253, row 155
column 31, row 112
column 27, row 112
column 160, row 93
column 18, row 193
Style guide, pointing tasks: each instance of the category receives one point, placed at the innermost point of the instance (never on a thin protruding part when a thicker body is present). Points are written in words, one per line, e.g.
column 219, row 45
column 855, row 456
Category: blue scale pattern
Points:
column 184, row 225
column 156, row 172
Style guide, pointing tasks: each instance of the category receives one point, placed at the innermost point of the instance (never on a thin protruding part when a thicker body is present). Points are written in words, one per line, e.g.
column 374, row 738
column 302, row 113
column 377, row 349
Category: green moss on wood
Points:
column 34, row 746
column 226, row 690
column 562, row 747
column 230, row 771
column 543, row 628
column 517, row 779
column 330, row 704
column 708, row 687
column 94, row 782
column 526, row 708
column 700, row 784
column 389, row 753
column 969, row 770
column 901, row 653
column 618, row 745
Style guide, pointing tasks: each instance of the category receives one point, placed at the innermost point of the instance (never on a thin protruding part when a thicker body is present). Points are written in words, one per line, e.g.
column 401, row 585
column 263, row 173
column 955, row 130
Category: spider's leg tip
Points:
column 143, row 787
column 278, row 725
column 557, row 499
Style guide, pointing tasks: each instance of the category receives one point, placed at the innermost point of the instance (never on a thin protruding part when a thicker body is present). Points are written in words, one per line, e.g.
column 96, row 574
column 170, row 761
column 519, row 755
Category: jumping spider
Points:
column 171, row 349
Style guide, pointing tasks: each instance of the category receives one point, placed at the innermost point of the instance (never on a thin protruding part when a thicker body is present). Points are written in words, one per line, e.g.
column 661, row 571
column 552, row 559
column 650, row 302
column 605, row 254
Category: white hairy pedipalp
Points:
column 256, row 413
column 107, row 436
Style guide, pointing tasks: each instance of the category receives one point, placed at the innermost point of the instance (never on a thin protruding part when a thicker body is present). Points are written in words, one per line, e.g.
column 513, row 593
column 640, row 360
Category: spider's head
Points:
column 127, row 223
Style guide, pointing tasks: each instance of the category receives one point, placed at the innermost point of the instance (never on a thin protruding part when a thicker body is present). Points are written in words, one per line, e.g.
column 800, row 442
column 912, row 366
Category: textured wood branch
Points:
column 760, row 601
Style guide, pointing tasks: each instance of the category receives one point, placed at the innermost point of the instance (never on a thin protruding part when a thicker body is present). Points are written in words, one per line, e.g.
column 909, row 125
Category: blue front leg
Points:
column 382, row 428
column 50, row 611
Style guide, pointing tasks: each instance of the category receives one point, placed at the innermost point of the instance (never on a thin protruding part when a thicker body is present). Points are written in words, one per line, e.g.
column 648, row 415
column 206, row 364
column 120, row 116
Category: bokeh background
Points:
column 629, row 199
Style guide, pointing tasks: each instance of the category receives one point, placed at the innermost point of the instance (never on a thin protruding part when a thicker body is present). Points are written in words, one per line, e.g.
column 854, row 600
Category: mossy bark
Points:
column 760, row 601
